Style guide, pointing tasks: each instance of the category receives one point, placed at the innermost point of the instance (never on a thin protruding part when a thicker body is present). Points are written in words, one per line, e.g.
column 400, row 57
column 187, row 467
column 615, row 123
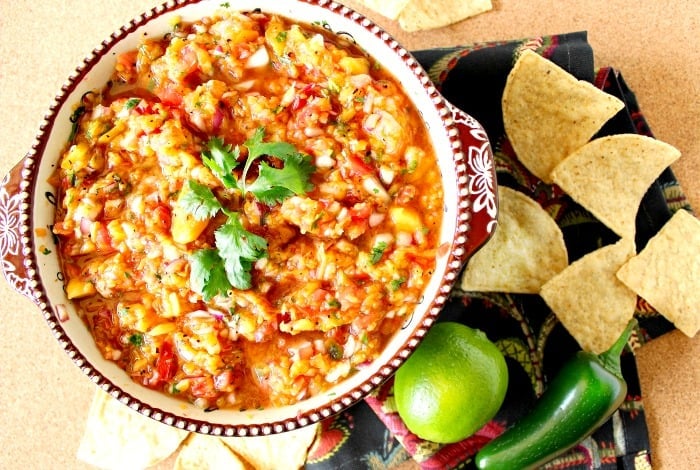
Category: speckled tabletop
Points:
column 44, row 398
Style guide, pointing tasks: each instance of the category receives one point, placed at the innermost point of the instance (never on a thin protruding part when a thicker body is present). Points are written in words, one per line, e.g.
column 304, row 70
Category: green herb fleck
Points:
column 335, row 352
column 377, row 252
column 136, row 339
column 281, row 36
column 396, row 284
column 364, row 339
column 132, row 103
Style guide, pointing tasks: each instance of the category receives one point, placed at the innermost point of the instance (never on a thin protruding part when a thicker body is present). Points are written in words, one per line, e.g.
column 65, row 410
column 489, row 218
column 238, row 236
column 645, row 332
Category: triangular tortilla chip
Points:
column 667, row 272
column 548, row 113
column 525, row 251
column 388, row 8
column 610, row 175
column 587, row 298
column 420, row 15
column 117, row 437
column 203, row 452
column 285, row 450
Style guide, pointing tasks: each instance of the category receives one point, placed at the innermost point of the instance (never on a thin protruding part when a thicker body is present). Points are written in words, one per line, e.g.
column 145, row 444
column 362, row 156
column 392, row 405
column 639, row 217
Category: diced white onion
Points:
column 375, row 188
column 62, row 312
column 404, row 239
column 260, row 58
column 245, row 85
column 386, row 174
column 376, row 218
column 325, row 161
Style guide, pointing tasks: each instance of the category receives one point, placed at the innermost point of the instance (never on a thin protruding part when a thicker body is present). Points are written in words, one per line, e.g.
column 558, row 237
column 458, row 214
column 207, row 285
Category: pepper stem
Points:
column 611, row 358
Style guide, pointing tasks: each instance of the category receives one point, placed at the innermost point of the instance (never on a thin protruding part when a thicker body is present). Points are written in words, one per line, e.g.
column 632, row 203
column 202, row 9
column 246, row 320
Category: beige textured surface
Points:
column 44, row 398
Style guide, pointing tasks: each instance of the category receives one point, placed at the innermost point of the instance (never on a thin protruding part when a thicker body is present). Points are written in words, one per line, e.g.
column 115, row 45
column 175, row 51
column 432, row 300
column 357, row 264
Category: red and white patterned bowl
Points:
column 27, row 205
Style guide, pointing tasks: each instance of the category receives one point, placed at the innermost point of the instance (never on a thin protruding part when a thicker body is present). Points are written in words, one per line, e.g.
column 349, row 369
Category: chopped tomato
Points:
column 162, row 217
column 126, row 66
column 189, row 62
column 358, row 166
column 360, row 211
column 170, row 95
column 166, row 364
column 103, row 240
column 202, row 387
column 300, row 100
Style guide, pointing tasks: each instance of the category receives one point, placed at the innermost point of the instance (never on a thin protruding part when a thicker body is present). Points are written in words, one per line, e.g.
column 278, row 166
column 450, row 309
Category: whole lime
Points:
column 453, row 383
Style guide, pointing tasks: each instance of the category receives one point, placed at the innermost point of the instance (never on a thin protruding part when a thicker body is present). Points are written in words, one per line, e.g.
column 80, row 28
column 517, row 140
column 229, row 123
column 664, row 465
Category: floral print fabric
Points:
column 371, row 434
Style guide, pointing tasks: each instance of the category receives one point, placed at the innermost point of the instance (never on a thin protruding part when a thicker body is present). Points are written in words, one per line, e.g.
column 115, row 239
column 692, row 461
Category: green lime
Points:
column 453, row 383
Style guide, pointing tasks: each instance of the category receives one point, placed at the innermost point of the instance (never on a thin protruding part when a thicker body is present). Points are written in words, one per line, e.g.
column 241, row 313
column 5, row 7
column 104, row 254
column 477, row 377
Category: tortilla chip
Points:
column 388, row 8
column 525, row 251
column 286, row 450
column 420, row 15
column 117, row 437
column 548, row 113
column 207, row 453
column 609, row 176
column 667, row 272
column 589, row 300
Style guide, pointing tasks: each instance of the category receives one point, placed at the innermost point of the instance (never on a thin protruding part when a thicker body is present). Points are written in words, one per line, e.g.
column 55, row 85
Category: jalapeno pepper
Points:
column 582, row 396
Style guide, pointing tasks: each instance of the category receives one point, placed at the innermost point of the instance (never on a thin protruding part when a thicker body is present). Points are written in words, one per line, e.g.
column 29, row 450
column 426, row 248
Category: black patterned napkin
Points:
column 371, row 434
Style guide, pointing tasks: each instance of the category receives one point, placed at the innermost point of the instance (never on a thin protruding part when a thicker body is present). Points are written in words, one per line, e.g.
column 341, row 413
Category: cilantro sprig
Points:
column 273, row 185
column 214, row 271
column 377, row 252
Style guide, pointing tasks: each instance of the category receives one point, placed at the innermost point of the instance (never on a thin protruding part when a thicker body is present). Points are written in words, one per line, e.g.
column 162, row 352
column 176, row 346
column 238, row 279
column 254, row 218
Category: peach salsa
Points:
column 247, row 211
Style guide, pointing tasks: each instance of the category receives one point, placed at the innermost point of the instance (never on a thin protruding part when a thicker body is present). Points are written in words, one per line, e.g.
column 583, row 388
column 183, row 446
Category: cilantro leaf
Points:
column 277, row 184
column 377, row 252
column 216, row 270
column 396, row 284
column 199, row 201
column 221, row 159
column 136, row 339
column 131, row 103
column 207, row 274
column 273, row 185
column 257, row 148
column 239, row 249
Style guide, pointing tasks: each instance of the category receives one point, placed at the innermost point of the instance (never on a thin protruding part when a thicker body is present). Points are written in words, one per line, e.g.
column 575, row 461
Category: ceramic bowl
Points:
column 28, row 203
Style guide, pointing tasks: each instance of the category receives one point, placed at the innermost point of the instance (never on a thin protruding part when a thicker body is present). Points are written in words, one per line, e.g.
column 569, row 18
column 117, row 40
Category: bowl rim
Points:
column 28, row 187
